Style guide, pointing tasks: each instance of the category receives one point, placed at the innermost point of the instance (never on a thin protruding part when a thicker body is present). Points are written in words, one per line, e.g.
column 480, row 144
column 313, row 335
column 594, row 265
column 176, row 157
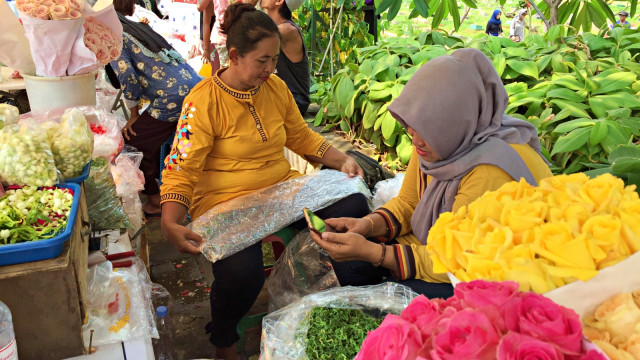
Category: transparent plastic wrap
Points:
column 119, row 305
column 25, row 156
column 304, row 268
column 107, row 135
column 284, row 332
column 105, row 209
column 238, row 223
column 73, row 143
column 9, row 115
column 126, row 173
column 386, row 190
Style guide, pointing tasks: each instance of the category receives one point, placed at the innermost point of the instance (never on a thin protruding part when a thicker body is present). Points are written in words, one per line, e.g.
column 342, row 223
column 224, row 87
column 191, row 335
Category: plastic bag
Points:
column 119, row 304
column 105, row 208
column 73, row 143
column 386, row 190
column 284, row 331
column 107, row 135
column 25, row 156
column 9, row 115
column 303, row 269
column 238, row 223
column 126, row 173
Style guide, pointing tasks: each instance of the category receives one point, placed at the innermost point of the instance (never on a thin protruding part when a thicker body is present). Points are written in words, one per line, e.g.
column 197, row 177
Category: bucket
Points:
column 60, row 92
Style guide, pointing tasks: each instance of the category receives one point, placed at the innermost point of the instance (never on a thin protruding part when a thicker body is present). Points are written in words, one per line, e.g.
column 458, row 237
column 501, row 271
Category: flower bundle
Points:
column 72, row 144
column 483, row 320
column 544, row 237
column 51, row 9
column 615, row 326
column 99, row 38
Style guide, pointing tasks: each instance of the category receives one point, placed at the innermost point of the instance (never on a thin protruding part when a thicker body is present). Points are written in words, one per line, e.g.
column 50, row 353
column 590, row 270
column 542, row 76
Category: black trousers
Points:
column 239, row 278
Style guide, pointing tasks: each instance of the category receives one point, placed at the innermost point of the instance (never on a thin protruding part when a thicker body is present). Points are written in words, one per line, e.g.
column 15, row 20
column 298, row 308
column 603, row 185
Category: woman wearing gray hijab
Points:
column 464, row 145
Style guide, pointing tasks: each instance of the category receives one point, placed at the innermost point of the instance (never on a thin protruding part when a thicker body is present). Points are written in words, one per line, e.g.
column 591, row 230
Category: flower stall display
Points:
column 330, row 324
column 25, row 156
column 483, row 320
column 615, row 326
column 72, row 144
column 566, row 229
column 55, row 30
column 28, row 214
column 101, row 40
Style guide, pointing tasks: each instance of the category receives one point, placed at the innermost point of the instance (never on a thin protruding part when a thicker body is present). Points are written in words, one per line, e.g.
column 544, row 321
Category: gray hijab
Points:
column 456, row 103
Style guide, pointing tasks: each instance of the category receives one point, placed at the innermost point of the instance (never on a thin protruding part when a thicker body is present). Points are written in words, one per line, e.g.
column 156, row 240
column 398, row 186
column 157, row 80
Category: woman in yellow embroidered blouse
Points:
column 230, row 141
column 465, row 145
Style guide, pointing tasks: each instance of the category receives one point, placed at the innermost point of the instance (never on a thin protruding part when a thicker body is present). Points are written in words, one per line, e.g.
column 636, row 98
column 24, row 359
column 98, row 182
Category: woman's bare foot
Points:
column 152, row 206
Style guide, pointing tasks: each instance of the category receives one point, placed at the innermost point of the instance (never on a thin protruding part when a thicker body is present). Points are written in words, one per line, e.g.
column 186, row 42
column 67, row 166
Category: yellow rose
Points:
column 604, row 192
column 443, row 245
column 555, row 243
column 606, row 232
column 574, row 214
column 515, row 190
column 613, row 352
column 524, row 216
column 562, row 183
column 489, row 244
column 481, row 267
column 619, row 316
column 636, row 297
column 529, row 274
column 594, row 334
column 629, row 212
column 633, row 345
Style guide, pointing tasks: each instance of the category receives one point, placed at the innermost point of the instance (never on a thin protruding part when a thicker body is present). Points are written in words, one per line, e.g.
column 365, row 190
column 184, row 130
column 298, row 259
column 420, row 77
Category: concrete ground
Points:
column 188, row 279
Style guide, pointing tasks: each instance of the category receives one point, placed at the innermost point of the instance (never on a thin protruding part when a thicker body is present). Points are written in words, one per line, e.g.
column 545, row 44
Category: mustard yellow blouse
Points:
column 411, row 256
column 229, row 143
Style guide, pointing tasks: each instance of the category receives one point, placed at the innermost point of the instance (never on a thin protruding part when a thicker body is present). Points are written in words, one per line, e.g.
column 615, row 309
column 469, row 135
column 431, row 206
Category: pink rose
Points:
column 394, row 339
column 92, row 47
column 537, row 316
column 114, row 53
column 92, row 39
column 76, row 4
column 107, row 37
column 59, row 12
column 48, row 3
column 103, row 56
column 468, row 334
column 41, row 12
column 514, row 346
column 27, row 9
column 424, row 314
column 75, row 14
column 64, row 3
column 480, row 293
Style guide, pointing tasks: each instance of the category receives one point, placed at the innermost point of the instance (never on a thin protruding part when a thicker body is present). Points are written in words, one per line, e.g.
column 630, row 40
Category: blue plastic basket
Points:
column 42, row 249
column 82, row 177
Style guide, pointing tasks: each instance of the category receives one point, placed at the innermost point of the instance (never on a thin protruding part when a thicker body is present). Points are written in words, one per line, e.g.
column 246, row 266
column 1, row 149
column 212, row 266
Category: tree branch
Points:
column 464, row 17
column 546, row 22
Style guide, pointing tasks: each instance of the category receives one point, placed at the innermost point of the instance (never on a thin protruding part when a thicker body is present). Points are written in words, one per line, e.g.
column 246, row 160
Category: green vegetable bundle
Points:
column 29, row 214
column 72, row 144
column 105, row 209
column 25, row 157
column 337, row 333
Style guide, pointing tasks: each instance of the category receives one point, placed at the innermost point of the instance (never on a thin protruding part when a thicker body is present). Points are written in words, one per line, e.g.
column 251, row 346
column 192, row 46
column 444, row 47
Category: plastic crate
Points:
column 43, row 249
column 79, row 179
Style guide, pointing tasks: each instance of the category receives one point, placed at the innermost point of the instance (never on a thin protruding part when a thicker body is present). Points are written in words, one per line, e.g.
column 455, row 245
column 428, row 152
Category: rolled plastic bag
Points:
column 26, row 157
column 73, row 144
column 241, row 222
column 304, row 268
column 284, row 332
column 386, row 190
column 105, row 209
column 14, row 46
column 119, row 305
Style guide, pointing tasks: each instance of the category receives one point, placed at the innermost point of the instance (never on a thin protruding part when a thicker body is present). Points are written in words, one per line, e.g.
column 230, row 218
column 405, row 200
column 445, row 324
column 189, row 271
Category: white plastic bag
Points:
column 386, row 190
column 72, row 144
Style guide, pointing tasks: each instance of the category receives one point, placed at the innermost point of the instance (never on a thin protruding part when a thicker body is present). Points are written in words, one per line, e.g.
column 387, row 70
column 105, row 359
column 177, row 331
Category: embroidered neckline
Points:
column 240, row 95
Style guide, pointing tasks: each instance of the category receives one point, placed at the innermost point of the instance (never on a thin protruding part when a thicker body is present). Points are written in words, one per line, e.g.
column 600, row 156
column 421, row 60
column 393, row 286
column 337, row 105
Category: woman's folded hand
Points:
column 347, row 246
column 354, row 225
column 183, row 239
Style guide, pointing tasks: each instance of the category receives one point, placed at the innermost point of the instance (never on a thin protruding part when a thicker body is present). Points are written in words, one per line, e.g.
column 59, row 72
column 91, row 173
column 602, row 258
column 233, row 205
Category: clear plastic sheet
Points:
column 25, row 156
column 238, row 223
column 119, row 304
column 386, row 190
column 126, row 173
column 72, row 144
column 105, row 209
column 304, row 268
column 284, row 331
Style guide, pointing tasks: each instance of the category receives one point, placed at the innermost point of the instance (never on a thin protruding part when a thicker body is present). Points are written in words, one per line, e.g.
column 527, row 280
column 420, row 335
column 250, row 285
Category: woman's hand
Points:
column 127, row 129
column 347, row 246
column 351, row 167
column 353, row 225
column 144, row 20
column 206, row 52
column 183, row 239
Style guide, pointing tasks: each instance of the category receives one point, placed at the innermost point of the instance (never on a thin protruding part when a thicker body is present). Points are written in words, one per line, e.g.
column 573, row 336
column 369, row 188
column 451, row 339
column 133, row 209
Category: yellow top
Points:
column 411, row 256
column 229, row 143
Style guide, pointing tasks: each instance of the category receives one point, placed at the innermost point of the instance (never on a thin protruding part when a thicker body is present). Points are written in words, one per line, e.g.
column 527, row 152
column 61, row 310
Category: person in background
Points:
column 516, row 31
column 230, row 142
column 207, row 21
column 151, row 6
column 371, row 18
column 149, row 69
column 494, row 26
column 461, row 150
column 623, row 20
column 293, row 62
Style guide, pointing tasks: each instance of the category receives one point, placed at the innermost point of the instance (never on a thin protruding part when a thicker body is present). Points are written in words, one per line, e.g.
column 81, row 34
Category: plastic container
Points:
column 8, row 347
column 60, row 92
column 42, row 249
column 79, row 179
column 164, row 345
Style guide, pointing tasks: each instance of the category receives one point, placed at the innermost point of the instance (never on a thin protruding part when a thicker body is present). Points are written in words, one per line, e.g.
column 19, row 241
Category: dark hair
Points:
column 124, row 7
column 245, row 27
column 284, row 11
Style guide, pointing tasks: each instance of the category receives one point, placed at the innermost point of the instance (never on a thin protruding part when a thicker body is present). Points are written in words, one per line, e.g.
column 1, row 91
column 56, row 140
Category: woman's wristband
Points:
column 372, row 225
column 384, row 252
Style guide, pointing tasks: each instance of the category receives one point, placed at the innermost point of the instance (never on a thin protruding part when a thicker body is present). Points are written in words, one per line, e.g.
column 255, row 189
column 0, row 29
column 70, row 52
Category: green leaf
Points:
column 318, row 119
column 626, row 165
column 572, row 141
column 393, row 9
column 527, row 68
column 344, row 91
column 543, row 62
column 572, row 125
column 614, row 81
column 516, row 52
column 404, row 148
column 564, row 93
column 600, row 104
column 624, row 151
column 422, row 7
column 577, row 109
column 558, row 65
column 455, row 14
column 388, row 125
column 370, row 114
column 598, row 132
column 344, row 126
column 382, row 5
column 499, row 62
column 616, row 136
